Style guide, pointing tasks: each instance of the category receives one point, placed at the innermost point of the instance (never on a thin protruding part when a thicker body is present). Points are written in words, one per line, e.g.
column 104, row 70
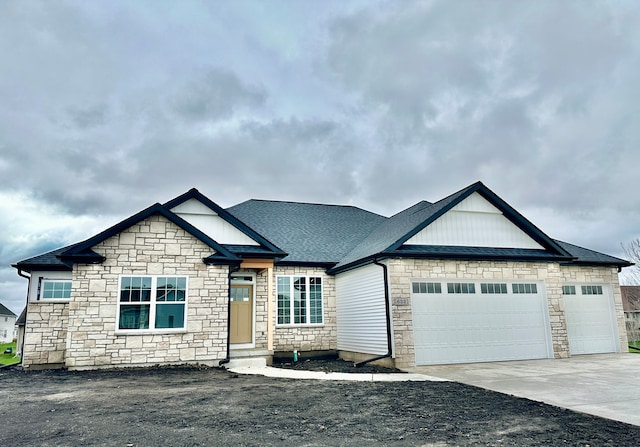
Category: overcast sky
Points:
column 107, row 107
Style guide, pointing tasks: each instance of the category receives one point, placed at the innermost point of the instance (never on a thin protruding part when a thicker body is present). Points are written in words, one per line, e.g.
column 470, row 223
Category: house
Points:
column 465, row 279
column 631, row 307
column 7, row 324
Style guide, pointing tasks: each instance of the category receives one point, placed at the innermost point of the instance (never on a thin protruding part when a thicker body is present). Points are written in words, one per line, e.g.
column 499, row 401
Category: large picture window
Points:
column 152, row 302
column 299, row 300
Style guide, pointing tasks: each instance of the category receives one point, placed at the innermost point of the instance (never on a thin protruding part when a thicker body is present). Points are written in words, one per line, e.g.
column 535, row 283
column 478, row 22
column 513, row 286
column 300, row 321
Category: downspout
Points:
column 227, row 359
column 26, row 313
column 388, row 315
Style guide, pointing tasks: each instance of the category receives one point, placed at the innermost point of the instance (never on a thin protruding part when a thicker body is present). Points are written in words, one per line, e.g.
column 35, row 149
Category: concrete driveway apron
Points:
column 605, row 385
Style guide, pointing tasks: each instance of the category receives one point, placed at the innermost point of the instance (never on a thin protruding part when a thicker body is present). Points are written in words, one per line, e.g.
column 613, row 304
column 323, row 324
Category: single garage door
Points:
column 466, row 322
column 591, row 322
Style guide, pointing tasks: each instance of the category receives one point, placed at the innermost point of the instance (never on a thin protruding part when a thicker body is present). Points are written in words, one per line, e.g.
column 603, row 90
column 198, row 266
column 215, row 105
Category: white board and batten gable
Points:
column 210, row 223
column 474, row 222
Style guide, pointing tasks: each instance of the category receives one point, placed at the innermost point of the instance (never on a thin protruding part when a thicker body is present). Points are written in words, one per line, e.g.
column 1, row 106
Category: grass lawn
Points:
column 8, row 359
column 636, row 344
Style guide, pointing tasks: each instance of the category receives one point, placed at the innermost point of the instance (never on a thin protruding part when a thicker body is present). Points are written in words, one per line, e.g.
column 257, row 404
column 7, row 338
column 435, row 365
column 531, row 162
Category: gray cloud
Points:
column 214, row 95
column 110, row 107
column 519, row 95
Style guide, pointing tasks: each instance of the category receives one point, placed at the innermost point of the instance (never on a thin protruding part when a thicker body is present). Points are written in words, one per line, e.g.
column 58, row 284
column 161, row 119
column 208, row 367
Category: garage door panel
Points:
column 465, row 328
column 590, row 320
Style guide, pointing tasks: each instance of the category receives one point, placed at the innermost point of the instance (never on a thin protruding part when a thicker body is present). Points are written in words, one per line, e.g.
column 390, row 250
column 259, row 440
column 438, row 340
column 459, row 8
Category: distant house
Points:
column 7, row 324
column 631, row 306
column 464, row 279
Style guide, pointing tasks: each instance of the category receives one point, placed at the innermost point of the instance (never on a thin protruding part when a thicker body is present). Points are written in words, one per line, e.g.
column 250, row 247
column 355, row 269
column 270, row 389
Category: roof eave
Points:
column 213, row 260
column 478, row 257
column 322, row 264
column 355, row 264
column 90, row 257
column 598, row 264
column 42, row 267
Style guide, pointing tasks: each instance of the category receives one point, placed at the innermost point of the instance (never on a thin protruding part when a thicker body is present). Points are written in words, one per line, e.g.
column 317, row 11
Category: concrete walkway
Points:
column 320, row 375
column 605, row 385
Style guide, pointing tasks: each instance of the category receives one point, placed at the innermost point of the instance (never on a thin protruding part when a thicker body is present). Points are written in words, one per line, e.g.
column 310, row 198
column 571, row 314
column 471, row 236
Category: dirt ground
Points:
column 193, row 406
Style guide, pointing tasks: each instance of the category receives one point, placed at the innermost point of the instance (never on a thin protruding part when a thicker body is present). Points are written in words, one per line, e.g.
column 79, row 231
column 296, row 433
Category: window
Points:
column 525, row 288
column 152, row 302
column 591, row 290
column 55, row 289
column 461, row 287
column 493, row 288
column 299, row 300
column 427, row 287
column 568, row 290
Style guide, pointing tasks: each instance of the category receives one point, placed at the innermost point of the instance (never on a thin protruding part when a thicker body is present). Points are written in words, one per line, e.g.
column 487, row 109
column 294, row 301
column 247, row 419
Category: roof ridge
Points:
column 293, row 202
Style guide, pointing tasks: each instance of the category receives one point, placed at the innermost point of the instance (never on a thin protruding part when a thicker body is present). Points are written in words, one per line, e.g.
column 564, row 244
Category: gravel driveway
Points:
column 205, row 407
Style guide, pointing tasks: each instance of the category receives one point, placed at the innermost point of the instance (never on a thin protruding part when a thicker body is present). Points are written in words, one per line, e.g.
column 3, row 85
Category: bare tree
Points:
column 632, row 251
column 632, row 277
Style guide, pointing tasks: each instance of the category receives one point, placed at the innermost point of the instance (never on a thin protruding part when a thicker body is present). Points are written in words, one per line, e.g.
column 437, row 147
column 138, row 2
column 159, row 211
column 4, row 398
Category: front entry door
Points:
column 241, row 313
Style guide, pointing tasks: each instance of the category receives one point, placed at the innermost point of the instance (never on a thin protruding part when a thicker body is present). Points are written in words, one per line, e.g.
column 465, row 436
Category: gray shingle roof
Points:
column 344, row 236
column 47, row 260
column 308, row 232
column 5, row 311
column 590, row 257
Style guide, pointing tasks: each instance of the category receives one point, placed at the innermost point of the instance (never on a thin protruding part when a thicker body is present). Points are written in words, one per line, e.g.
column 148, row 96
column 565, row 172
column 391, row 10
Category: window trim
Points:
column 40, row 291
column 307, row 301
column 152, row 306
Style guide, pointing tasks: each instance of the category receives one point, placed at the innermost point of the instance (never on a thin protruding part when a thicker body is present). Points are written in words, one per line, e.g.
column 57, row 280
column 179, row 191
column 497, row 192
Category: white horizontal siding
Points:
column 37, row 276
column 207, row 221
column 360, row 309
column 474, row 223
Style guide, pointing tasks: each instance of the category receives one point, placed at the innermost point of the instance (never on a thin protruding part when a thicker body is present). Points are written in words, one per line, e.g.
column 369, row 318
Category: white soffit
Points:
column 206, row 220
column 474, row 222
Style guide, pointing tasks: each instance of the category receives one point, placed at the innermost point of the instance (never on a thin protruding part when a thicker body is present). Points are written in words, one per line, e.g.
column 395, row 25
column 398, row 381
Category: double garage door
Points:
column 473, row 321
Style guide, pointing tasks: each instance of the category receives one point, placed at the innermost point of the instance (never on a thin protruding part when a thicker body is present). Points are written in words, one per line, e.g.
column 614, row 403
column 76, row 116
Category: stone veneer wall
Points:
column 301, row 337
column 601, row 275
column 45, row 334
column 154, row 246
column 402, row 271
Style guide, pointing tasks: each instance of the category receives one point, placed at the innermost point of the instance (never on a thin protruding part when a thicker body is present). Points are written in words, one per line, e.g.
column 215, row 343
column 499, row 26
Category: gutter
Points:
column 26, row 313
column 388, row 318
column 227, row 359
